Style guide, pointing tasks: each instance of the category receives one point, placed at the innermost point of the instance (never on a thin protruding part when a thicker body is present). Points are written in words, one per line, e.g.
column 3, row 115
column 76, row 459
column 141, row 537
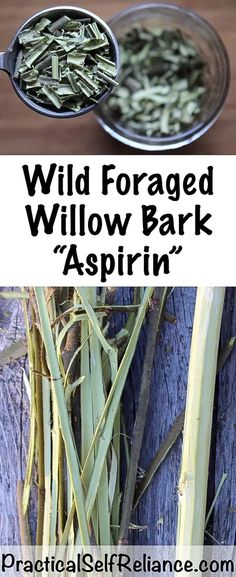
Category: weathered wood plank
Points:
column 14, row 420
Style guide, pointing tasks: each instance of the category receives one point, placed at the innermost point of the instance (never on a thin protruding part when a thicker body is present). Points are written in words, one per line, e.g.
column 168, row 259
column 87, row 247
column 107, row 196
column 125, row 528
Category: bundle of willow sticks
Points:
column 77, row 374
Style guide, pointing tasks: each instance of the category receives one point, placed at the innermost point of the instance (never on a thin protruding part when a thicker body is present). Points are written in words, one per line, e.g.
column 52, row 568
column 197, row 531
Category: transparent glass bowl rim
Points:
column 186, row 137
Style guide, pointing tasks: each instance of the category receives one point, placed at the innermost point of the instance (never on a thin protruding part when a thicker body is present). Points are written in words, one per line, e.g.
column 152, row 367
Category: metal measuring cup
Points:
column 8, row 58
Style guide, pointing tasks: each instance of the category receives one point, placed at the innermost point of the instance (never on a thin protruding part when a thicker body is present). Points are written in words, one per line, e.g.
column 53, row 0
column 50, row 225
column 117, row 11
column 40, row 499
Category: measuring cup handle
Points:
column 4, row 61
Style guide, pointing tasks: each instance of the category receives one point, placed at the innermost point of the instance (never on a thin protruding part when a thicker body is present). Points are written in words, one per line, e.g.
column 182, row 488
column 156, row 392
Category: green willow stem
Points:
column 198, row 418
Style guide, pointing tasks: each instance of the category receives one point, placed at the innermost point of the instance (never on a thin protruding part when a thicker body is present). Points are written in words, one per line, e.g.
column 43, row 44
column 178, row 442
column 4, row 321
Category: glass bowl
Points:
column 217, row 74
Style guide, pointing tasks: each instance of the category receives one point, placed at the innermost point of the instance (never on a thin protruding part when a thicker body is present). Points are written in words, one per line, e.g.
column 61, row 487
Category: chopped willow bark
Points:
column 65, row 64
column 162, row 82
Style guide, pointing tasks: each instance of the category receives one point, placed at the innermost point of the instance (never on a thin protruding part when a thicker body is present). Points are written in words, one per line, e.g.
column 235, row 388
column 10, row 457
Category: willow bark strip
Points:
column 115, row 506
column 32, row 432
column 14, row 352
column 98, row 401
column 57, row 465
column 54, row 437
column 61, row 486
column 106, row 422
column 14, row 295
column 174, row 433
column 198, row 417
column 153, row 328
column 68, row 353
column 111, row 352
column 161, row 454
column 23, row 519
column 221, row 483
column 47, row 461
column 57, row 385
column 40, row 435
column 86, row 414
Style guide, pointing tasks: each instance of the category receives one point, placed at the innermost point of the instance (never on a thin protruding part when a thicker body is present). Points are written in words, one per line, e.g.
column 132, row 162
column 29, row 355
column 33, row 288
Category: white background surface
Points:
column 204, row 260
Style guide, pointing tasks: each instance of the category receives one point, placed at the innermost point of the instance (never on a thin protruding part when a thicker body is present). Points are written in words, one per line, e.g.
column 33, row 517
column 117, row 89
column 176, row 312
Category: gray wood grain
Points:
column 224, row 518
column 157, row 511
column 14, row 422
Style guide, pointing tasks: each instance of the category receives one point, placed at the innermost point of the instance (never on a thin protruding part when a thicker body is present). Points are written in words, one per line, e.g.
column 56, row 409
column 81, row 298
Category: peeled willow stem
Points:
column 198, row 416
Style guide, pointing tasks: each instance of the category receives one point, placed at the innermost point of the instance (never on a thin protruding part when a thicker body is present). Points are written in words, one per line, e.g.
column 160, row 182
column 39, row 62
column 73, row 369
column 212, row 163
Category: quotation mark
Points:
column 59, row 248
column 175, row 250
